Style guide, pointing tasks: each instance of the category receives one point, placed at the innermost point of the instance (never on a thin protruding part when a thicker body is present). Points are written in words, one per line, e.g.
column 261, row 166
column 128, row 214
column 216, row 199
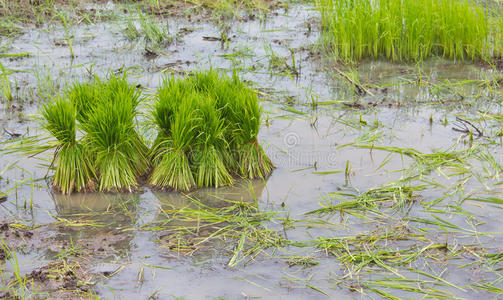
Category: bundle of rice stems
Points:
column 74, row 170
column 110, row 151
column 240, row 106
column 211, row 147
column 168, row 99
column 107, row 113
column 215, row 86
column 207, row 130
column 174, row 141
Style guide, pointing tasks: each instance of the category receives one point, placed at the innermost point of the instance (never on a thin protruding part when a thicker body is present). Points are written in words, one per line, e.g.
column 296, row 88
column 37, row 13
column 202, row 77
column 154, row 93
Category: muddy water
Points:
column 306, row 145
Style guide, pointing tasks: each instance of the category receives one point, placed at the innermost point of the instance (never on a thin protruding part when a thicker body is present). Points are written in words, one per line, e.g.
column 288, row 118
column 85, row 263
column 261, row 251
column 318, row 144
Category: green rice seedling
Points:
column 239, row 107
column 5, row 84
column 108, row 138
column 68, row 36
column 130, row 31
column 171, row 152
column 409, row 29
column 169, row 96
column 207, row 123
column 279, row 63
column 109, row 152
column 219, row 89
column 83, row 96
column 108, row 120
column 245, row 113
column 275, row 61
column 211, row 151
column 154, row 33
column 74, row 170
column 127, row 97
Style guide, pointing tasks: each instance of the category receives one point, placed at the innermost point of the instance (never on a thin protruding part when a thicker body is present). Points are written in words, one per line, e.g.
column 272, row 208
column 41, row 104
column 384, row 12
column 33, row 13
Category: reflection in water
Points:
column 243, row 191
column 205, row 222
column 91, row 202
column 172, row 202
column 78, row 203
column 95, row 223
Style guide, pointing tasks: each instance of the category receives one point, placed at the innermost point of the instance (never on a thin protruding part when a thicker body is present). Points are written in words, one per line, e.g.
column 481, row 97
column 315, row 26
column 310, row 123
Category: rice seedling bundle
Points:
column 207, row 132
column 108, row 151
column 207, row 127
column 171, row 148
column 74, row 170
column 409, row 30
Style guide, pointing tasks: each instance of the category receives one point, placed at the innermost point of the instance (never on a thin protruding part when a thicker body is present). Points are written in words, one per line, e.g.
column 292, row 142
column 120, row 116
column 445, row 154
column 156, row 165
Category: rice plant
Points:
column 211, row 147
column 74, row 170
column 173, row 143
column 107, row 117
column 68, row 36
column 240, row 105
column 5, row 83
column 109, row 152
column 155, row 34
column 409, row 30
column 207, row 131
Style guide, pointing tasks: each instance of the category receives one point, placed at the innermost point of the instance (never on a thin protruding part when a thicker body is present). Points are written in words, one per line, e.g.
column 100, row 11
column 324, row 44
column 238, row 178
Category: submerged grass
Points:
column 239, row 221
column 360, row 252
column 450, row 162
column 155, row 34
column 395, row 196
column 409, row 30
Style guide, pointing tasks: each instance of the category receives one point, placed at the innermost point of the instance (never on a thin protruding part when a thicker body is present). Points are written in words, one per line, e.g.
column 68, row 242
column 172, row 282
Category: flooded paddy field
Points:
column 386, row 181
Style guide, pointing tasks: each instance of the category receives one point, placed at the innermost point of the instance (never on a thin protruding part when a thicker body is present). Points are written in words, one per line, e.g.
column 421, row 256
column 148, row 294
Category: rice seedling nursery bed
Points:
column 251, row 149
